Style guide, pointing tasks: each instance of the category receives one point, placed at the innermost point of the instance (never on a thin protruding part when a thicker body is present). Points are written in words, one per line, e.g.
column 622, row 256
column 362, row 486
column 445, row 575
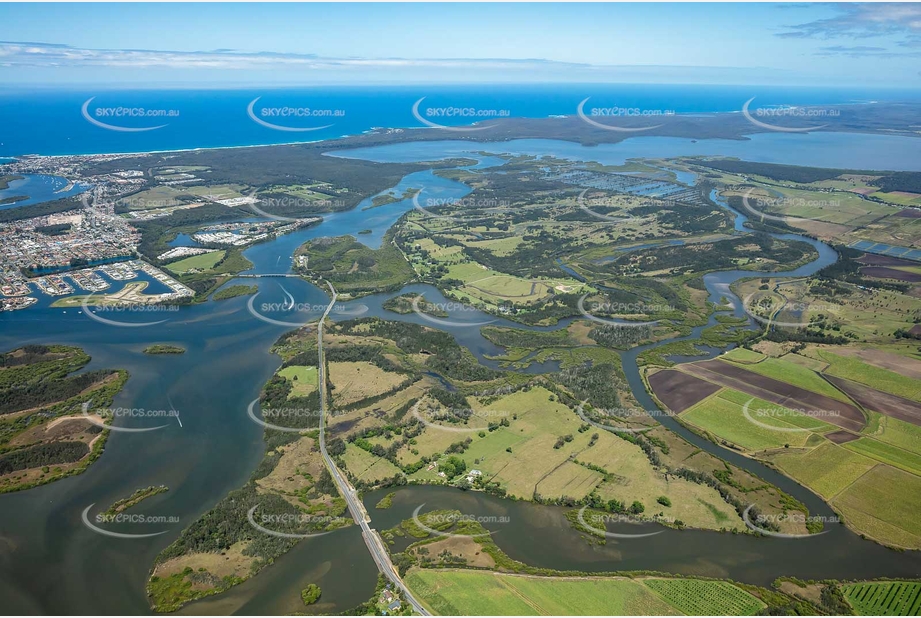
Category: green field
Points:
column 721, row 415
column 368, row 467
column 899, row 433
column 202, row 261
column 891, row 497
column 874, row 377
column 705, row 598
column 827, row 469
column 887, row 453
column 303, row 379
column 884, row 598
column 797, row 375
column 476, row 593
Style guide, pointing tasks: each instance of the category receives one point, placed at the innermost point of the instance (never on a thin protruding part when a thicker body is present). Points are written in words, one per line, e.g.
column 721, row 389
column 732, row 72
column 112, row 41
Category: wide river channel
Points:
column 50, row 562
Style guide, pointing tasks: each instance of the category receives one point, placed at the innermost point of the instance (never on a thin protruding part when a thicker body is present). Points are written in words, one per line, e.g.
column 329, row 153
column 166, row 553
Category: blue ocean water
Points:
column 49, row 122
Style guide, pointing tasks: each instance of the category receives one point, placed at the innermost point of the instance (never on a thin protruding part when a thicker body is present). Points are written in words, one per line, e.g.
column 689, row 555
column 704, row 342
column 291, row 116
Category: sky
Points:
column 246, row 44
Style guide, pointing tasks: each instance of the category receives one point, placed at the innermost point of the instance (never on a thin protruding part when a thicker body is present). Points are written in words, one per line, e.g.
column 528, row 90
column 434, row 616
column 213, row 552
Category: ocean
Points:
column 53, row 122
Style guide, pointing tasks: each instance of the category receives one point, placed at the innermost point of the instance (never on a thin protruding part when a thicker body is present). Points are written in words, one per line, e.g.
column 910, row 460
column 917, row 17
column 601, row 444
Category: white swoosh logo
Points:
column 435, row 125
column 581, row 307
column 419, row 523
column 117, row 535
column 581, row 111
column 613, row 535
column 111, row 127
column 278, row 127
column 250, row 410
column 423, row 315
column 581, row 200
column 771, row 127
column 751, row 526
column 283, row 535
column 102, row 320
column 768, row 321
column 751, row 419
column 93, row 421
column 259, row 316
column 581, row 412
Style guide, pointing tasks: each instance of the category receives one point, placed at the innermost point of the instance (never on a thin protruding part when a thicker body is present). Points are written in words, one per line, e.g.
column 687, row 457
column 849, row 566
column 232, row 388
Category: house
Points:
column 472, row 475
column 394, row 607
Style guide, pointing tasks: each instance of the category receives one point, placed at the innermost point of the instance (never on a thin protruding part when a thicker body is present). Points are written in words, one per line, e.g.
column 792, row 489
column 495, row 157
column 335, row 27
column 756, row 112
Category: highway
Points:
column 356, row 507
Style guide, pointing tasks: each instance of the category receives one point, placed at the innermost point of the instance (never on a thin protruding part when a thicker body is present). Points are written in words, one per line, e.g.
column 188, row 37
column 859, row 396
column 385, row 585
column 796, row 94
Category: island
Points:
column 162, row 348
column 45, row 432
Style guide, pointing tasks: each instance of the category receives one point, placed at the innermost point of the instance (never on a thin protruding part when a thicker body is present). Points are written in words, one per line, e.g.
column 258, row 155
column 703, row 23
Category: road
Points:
column 356, row 507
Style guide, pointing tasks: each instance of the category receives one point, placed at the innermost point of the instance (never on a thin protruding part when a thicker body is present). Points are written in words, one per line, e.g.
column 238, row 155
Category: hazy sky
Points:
column 196, row 44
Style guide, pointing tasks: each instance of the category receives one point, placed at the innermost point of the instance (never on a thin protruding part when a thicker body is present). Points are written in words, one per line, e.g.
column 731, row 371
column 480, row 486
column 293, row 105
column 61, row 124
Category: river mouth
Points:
column 44, row 549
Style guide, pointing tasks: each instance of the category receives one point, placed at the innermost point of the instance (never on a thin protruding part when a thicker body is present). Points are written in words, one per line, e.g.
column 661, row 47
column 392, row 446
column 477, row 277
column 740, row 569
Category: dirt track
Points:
column 878, row 401
column 679, row 391
column 844, row 415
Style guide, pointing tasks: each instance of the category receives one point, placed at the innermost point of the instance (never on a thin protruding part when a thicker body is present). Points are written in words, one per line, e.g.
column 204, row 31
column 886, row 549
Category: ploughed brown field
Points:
column 878, row 401
column 840, row 437
column 881, row 272
column 873, row 259
column 910, row 213
column 679, row 391
column 792, row 397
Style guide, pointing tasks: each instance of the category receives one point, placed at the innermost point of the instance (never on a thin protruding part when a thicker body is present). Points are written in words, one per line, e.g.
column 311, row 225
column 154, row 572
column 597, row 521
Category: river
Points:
column 51, row 563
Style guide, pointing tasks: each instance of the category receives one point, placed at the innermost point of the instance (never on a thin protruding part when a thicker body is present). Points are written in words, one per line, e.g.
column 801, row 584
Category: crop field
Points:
column 705, row 598
column 632, row 478
column 354, row 381
column 303, row 379
column 569, row 480
column 476, row 593
column 891, row 497
column 884, row 598
column 743, row 356
column 203, row 261
column 722, row 416
column 827, row 469
column 797, row 375
column 899, row 433
column 887, row 453
column 875, row 377
column 367, row 467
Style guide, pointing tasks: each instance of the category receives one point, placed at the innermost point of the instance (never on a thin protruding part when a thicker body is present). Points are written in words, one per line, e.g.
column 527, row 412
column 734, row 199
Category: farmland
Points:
column 705, row 598
column 202, row 261
column 473, row 593
column 884, row 598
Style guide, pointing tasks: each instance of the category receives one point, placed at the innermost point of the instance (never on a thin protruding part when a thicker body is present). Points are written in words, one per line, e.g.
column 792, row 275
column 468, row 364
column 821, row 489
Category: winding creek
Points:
column 51, row 563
